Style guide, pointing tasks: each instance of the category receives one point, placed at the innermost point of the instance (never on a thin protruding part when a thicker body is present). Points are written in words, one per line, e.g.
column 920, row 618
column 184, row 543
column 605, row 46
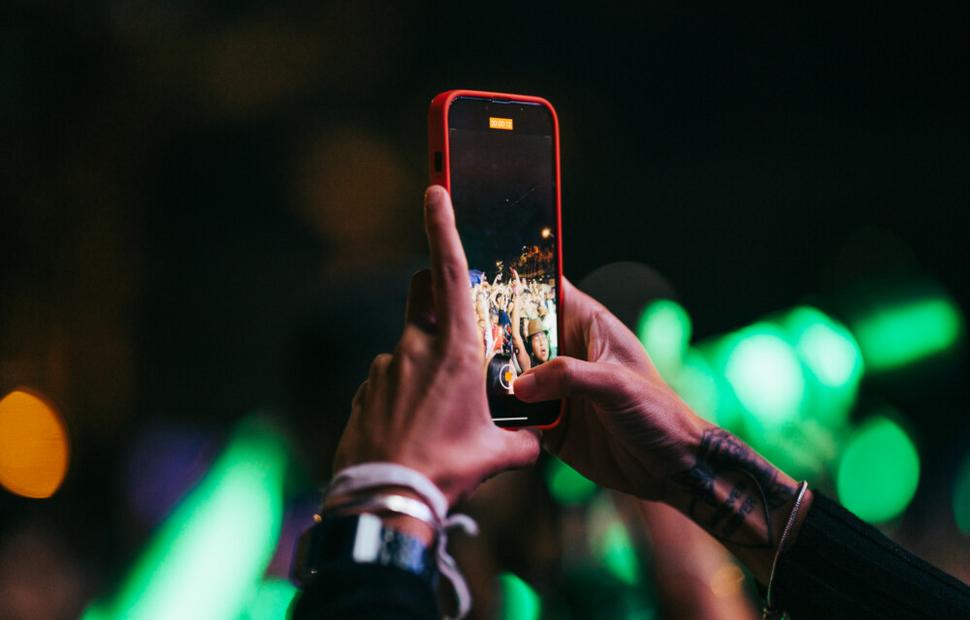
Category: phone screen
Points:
column 503, row 186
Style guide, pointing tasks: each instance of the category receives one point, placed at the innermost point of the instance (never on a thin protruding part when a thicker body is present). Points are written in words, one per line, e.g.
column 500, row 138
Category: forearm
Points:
column 695, row 578
column 518, row 345
column 734, row 494
column 515, row 317
column 833, row 564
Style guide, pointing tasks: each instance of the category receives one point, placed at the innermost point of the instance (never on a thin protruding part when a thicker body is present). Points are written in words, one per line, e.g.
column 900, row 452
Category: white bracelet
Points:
column 769, row 613
column 372, row 475
column 399, row 504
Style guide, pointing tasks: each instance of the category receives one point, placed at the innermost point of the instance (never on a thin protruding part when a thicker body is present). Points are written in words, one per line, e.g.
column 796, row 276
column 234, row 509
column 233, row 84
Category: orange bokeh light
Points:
column 33, row 445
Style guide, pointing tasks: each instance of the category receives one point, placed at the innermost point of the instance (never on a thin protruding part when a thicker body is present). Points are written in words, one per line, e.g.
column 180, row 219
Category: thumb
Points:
column 567, row 376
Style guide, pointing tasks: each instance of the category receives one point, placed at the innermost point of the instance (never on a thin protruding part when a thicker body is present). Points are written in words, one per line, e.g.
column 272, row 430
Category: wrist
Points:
column 410, row 526
column 338, row 539
column 682, row 457
column 415, row 494
column 446, row 484
column 737, row 496
column 401, row 522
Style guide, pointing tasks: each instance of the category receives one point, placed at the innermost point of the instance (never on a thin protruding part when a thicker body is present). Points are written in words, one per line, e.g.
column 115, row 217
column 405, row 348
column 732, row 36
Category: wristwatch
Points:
column 361, row 539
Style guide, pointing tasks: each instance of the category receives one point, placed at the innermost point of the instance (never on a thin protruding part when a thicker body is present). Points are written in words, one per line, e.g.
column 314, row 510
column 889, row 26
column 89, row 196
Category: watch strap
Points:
column 362, row 539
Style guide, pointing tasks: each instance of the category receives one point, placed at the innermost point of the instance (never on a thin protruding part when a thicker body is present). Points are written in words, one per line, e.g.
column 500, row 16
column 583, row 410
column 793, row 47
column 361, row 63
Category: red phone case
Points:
column 440, row 172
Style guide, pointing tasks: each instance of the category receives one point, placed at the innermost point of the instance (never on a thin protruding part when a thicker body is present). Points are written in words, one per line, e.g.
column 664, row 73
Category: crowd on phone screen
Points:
column 517, row 321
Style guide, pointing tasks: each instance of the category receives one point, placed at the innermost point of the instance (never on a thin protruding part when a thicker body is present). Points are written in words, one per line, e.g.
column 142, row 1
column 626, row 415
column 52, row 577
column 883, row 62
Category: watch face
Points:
column 339, row 540
column 367, row 539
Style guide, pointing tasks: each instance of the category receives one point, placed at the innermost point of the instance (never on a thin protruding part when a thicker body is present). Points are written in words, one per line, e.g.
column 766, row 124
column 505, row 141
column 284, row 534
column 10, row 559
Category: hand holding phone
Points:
column 449, row 438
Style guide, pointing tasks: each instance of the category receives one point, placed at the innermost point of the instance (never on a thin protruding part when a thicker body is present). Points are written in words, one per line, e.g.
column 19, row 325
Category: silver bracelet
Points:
column 399, row 504
column 769, row 613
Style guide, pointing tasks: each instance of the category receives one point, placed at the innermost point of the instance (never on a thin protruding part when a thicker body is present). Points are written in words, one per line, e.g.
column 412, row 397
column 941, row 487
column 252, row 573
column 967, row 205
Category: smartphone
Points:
column 498, row 156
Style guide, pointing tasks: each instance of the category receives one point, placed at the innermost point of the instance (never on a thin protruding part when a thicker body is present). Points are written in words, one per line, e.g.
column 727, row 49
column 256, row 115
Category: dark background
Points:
column 212, row 207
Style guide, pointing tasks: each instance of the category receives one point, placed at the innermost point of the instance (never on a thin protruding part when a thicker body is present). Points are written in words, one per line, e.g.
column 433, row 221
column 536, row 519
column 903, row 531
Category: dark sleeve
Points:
column 365, row 591
column 841, row 567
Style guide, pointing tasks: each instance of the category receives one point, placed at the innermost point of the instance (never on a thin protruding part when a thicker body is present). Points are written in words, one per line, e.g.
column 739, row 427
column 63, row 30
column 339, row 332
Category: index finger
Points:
column 449, row 268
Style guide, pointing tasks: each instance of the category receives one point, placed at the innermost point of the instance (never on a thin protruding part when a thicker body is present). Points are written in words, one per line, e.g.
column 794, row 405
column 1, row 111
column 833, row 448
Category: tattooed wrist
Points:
column 732, row 492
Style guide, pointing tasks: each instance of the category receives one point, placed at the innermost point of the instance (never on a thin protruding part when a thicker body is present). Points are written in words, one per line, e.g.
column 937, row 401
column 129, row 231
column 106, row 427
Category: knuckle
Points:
column 454, row 269
column 413, row 344
column 464, row 353
column 562, row 372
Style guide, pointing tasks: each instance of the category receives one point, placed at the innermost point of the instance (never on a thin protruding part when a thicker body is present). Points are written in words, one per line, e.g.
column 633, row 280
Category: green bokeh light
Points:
column 519, row 600
column 567, row 485
column 697, row 384
column 706, row 391
column 664, row 328
column 879, row 471
column 826, row 346
column 207, row 557
column 961, row 496
column 897, row 335
column 270, row 601
column 833, row 361
column 766, row 375
column 619, row 555
column 785, row 385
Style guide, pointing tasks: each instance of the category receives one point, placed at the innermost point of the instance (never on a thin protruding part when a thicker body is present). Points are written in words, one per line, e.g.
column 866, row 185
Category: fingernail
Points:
column 432, row 196
column 524, row 386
